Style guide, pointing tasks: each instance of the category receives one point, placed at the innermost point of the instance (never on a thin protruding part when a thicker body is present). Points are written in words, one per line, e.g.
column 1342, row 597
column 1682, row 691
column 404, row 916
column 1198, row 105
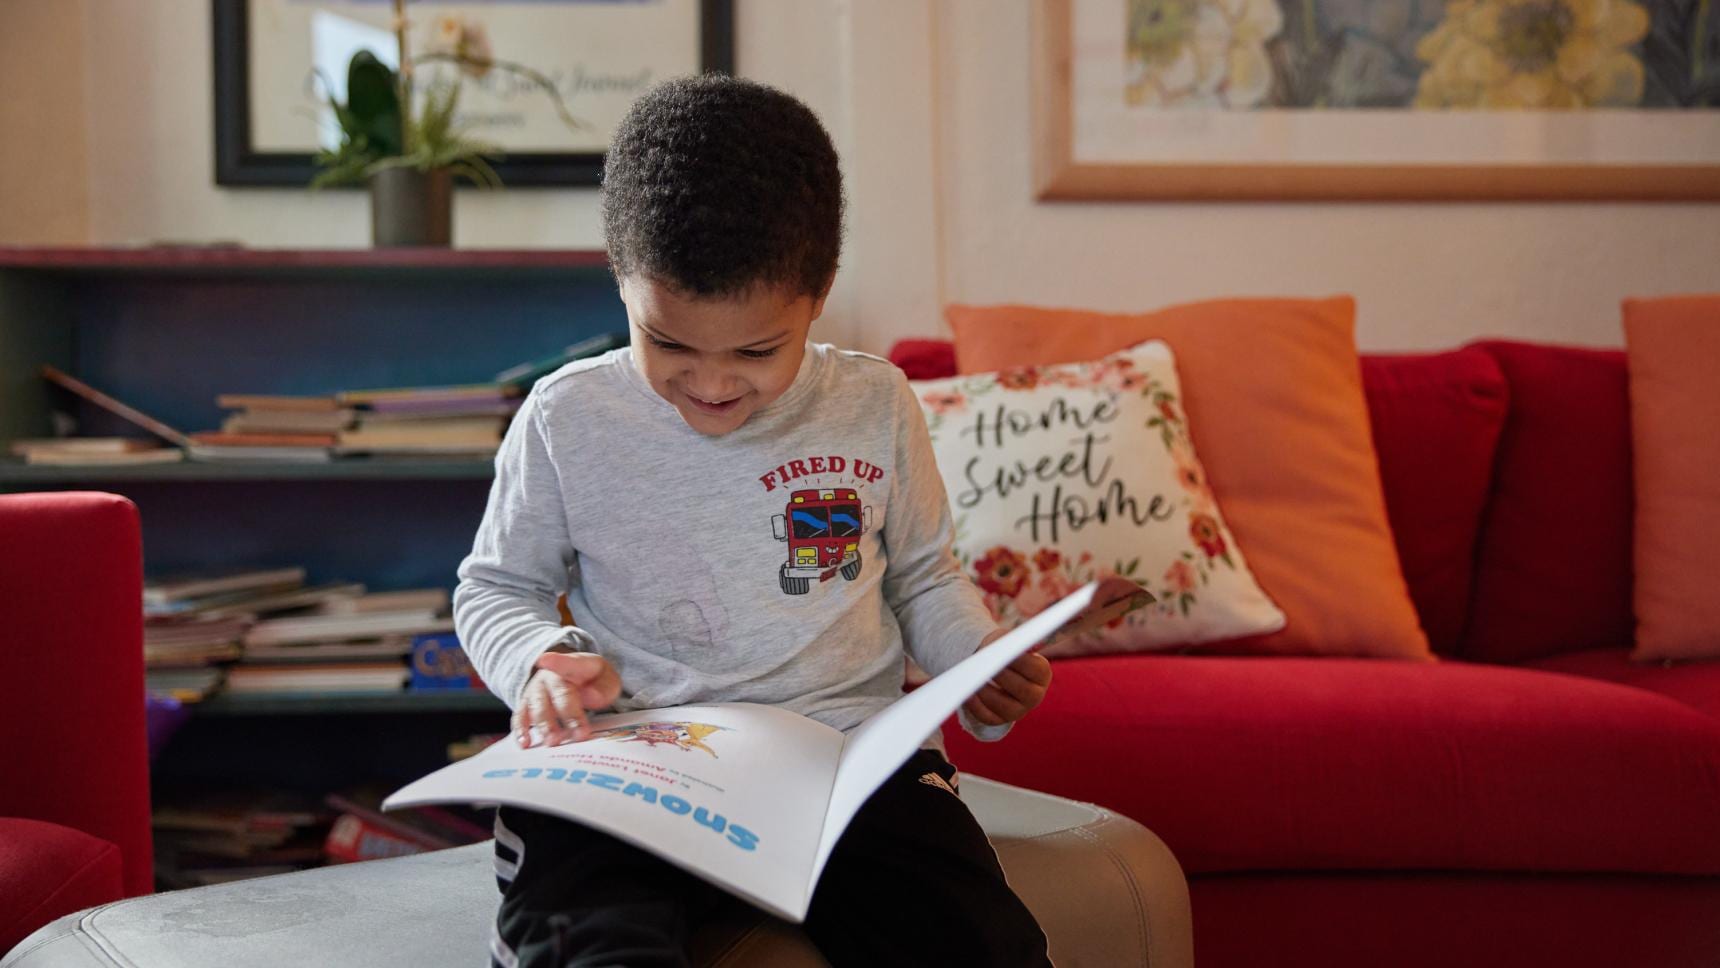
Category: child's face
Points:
column 718, row 361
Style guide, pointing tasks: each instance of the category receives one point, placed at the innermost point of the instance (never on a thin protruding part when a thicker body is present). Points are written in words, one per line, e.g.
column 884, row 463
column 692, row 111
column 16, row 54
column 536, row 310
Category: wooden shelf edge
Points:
column 200, row 258
column 340, row 704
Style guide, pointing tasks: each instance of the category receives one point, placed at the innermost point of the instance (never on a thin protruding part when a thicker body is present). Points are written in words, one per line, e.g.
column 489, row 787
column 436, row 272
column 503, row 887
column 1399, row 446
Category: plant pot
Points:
column 411, row 207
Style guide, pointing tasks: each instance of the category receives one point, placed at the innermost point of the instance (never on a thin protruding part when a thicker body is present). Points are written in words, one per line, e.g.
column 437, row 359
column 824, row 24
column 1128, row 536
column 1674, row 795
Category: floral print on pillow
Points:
column 1059, row 475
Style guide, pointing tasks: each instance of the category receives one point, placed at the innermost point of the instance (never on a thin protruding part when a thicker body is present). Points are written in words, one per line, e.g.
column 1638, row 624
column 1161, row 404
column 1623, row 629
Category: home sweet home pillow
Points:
column 1060, row 474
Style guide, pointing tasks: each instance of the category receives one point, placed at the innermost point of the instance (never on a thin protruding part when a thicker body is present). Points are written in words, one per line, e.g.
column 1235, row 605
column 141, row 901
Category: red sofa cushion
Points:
column 925, row 359
column 1436, row 420
column 1351, row 764
column 47, row 871
column 1696, row 684
column 71, row 595
column 1553, row 572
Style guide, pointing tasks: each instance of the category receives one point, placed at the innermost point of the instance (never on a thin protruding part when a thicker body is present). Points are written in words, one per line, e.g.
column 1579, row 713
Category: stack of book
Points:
column 355, row 645
column 211, row 837
column 445, row 421
column 464, row 421
column 95, row 451
column 181, row 657
column 192, row 623
column 262, row 427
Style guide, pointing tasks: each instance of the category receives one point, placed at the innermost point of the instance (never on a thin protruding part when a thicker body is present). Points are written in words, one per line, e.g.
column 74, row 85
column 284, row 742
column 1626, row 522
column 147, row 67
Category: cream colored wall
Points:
column 927, row 101
column 44, row 196
column 1424, row 275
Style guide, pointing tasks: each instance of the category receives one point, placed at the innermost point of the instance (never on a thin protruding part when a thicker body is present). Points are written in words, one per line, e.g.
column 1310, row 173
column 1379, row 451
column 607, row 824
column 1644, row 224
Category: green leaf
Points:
column 374, row 103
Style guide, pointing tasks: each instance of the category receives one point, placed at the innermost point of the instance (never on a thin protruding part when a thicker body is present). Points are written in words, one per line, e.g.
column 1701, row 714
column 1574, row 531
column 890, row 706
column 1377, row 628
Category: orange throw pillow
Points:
column 1273, row 391
column 1672, row 346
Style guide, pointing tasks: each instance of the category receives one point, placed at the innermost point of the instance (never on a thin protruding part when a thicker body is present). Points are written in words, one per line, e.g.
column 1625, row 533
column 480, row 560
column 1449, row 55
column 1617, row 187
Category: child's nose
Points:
column 710, row 382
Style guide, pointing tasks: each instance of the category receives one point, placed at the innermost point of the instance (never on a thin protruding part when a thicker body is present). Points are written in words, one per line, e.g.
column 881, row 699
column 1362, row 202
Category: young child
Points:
column 657, row 487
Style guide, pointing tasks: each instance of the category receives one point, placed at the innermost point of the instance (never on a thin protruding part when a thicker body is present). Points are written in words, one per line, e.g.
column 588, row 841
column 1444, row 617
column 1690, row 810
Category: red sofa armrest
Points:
column 71, row 661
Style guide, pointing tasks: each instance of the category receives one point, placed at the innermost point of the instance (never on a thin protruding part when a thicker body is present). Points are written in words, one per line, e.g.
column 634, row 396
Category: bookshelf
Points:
column 16, row 472
column 165, row 329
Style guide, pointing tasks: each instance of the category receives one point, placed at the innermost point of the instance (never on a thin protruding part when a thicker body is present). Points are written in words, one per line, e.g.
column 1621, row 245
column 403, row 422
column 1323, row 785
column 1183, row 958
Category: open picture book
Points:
column 749, row 797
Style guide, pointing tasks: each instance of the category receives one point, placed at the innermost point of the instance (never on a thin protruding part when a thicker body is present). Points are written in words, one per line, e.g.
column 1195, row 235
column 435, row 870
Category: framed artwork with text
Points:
column 277, row 61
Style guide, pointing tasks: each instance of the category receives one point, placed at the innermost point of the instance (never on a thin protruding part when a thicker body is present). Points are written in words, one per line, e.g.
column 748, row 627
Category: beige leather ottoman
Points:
column 1107, row 891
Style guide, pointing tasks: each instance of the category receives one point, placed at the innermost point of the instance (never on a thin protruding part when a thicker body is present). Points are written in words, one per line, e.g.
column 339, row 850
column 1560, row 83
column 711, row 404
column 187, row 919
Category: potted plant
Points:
column 409, row 160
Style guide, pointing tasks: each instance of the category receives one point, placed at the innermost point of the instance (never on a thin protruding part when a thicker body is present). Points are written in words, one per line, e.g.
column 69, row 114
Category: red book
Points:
column 353, row 838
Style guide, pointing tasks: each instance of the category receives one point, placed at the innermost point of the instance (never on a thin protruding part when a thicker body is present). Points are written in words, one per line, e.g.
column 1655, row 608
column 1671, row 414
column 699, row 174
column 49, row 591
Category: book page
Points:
column 881, row 744
column 733, row 792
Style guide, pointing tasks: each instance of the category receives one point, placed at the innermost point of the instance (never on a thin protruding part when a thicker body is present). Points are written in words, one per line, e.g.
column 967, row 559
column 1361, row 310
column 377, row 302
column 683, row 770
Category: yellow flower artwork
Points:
column 1200, row 53
column 1547, row 54
column 1252, row 55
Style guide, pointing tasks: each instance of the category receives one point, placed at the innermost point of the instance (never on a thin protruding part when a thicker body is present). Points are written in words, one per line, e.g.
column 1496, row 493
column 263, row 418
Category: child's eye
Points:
column 660, row 344
column 760, row 354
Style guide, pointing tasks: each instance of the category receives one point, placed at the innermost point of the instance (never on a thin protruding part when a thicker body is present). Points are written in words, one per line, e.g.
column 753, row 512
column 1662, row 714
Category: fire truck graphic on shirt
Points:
column 823, row 529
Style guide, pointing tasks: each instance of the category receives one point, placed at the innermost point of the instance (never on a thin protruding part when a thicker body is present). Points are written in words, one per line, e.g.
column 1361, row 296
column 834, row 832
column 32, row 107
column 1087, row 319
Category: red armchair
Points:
column 74, row 801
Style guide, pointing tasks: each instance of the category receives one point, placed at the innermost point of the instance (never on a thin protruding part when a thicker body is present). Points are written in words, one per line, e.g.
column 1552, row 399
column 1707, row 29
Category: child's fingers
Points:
column 1022, row 688
column 549, row 704
column 981, row 713
column 521, row 724
column 999, row 705
column 1033, row 667
column 570, row 722
column 532, row 712
column 592, row 675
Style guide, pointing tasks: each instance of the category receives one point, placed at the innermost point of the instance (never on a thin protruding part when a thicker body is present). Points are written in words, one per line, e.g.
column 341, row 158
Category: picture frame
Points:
column 1088, row 144
column 247, row 154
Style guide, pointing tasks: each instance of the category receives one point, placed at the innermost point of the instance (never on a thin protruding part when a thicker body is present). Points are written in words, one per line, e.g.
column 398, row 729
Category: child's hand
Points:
column 564, row 686
column 1014, row 692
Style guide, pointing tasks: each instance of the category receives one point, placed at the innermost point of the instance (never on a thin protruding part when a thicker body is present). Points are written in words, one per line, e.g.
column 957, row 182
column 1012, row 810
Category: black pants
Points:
column 913, row 881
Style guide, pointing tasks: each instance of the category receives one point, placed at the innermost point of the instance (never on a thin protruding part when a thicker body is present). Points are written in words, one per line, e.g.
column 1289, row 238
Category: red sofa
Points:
column 74, row 801
column 1535, row 798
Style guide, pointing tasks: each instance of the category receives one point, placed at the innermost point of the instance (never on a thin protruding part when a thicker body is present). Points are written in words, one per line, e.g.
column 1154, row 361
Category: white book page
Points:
column 733, row 792
column 881, row 744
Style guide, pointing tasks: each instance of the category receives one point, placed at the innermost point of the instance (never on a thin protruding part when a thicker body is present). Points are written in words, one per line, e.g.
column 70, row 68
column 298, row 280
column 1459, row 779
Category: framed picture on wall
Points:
column 1377, row 99
column 276, row 61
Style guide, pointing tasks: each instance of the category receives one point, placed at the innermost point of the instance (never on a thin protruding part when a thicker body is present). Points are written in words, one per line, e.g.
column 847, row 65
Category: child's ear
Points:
column 818, row 301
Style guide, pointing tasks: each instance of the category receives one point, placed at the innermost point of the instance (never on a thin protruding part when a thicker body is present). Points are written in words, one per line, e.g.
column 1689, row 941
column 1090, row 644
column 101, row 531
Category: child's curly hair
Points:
column 714, row 185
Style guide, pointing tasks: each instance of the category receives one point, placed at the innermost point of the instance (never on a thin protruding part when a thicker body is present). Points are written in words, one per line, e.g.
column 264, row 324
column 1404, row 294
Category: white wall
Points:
column 928, row 102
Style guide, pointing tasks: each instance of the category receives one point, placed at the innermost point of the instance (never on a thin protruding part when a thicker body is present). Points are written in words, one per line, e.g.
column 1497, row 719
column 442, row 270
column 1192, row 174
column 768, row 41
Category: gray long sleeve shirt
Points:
column 789, row 562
